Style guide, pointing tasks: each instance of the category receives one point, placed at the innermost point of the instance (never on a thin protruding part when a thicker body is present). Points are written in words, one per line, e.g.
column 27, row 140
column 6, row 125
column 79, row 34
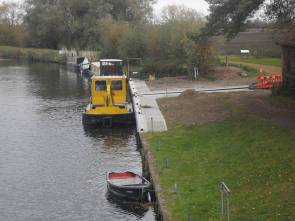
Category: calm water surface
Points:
column 51, row 168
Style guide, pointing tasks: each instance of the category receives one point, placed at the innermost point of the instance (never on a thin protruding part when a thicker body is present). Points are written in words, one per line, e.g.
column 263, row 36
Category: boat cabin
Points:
column 109, row 91
column 108, row 67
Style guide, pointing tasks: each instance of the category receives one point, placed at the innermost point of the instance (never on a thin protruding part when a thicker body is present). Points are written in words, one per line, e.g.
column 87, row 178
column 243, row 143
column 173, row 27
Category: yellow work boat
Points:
column 110, row 102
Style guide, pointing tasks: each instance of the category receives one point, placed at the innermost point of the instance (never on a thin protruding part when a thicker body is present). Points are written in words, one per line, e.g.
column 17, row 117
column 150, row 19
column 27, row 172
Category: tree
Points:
column 112, row 33
column 42, row 22
column 229, row 17
column 133, row 44
column 76, row 23
column 282, row 11
column 10, row 13
column 131, row 10
column 201, row 55
column 174, row 13
column 169, row 48
column 55, row 23
column 11, row 30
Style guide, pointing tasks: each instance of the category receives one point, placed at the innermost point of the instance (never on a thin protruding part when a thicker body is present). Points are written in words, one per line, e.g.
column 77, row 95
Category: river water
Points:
column 51, row 168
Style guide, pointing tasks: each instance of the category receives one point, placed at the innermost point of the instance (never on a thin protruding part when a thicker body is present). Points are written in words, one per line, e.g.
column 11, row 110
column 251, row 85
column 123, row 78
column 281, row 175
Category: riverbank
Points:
column 32, row 54
column 247, row 143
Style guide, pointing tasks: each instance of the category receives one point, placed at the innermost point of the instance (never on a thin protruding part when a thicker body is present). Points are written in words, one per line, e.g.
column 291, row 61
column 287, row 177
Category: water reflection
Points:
column 54, row 81
column 128, row 207
column 112, row 137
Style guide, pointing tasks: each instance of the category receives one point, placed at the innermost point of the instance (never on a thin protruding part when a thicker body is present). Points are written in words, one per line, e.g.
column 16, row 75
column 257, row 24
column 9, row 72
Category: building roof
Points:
column 288, row 37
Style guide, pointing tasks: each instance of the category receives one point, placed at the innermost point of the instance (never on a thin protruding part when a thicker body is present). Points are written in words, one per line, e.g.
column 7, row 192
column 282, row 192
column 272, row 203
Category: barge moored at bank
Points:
column 110, row 102
column 84, row 66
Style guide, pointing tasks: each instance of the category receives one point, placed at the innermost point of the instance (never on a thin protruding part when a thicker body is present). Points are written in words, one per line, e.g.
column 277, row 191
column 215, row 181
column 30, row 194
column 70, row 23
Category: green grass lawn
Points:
column 253, row 60
column 133, row 68
column 253, row 157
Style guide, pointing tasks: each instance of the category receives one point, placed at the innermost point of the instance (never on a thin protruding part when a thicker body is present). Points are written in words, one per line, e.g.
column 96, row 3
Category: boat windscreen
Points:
column 117, row 85
column 80, row 60
column 100, row 85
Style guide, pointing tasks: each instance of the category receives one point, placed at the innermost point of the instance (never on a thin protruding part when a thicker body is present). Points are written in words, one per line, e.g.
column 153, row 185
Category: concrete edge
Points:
column 161, row 116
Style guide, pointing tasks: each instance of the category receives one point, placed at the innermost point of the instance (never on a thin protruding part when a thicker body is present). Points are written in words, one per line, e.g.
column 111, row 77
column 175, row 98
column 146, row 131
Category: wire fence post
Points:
column 166, row 163
column 196, row 72
column 224, row 190
column 158, row 145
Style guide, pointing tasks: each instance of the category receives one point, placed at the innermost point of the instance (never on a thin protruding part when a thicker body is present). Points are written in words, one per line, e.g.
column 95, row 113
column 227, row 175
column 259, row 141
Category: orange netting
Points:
column 265, row 82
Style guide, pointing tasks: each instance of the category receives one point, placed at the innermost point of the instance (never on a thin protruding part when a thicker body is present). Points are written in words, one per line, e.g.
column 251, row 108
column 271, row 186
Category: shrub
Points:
column 31, row 54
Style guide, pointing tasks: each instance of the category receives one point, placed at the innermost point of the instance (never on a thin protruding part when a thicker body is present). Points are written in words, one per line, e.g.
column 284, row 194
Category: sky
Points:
column 199, row 5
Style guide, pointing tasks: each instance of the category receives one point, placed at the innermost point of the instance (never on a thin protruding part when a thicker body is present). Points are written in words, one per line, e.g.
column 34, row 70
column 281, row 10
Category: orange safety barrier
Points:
column 268, row 81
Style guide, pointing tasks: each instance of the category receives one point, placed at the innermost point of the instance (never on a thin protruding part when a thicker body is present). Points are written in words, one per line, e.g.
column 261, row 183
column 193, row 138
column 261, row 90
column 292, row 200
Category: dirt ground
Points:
column 221, row 76
column 193, row 107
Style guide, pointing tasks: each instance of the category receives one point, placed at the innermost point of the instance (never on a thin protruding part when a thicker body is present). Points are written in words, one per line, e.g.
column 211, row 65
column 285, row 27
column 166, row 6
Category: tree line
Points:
column 229, row 17
column 117, row 29
column 175, row 43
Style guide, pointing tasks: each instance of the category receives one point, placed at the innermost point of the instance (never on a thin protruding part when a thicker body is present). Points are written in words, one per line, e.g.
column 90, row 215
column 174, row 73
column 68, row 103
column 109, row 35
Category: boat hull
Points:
column 108, row 120
column 137, row 194
column 86, row 72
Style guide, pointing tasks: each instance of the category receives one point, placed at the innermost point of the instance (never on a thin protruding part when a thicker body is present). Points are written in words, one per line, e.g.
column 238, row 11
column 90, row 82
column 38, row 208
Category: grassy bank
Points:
column 31, row 54
column 250, row 71
column 253, row 60
column 255, row 158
